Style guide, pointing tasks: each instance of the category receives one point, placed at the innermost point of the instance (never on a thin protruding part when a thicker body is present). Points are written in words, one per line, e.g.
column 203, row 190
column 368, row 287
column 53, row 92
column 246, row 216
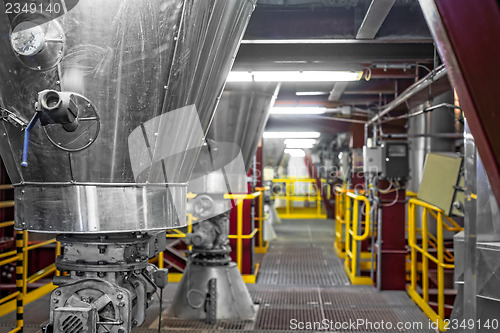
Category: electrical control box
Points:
column 395, row 155
column 390, row 160
column 373, row 160
column 357, row 160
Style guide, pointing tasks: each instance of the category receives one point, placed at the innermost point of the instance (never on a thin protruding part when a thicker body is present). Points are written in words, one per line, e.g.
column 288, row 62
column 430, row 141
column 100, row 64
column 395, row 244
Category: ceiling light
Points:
column 311, row 93
column 300, row 141
column 295, row 152
column 291, row 135
column 294, row 76
column 298, row 110
column 299, row 146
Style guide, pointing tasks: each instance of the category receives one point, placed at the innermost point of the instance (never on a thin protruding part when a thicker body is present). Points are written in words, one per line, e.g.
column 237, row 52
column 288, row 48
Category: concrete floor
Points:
column 300, row 280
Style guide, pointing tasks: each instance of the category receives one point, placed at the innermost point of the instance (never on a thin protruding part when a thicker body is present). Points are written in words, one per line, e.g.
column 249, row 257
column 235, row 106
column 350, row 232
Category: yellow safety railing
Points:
column 354, row 235
column 248, row 278
column 261, row 217
column 23, row 296
column 444, row 259
column 311, row 194
column 239, row 230
column 340, row 208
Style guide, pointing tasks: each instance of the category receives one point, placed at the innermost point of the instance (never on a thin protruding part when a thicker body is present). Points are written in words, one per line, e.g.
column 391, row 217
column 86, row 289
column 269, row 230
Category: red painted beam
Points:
column 468, row 39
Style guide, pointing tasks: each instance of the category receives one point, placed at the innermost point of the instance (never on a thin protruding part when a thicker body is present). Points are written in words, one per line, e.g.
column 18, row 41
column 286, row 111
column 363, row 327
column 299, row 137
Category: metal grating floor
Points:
column 300, row 278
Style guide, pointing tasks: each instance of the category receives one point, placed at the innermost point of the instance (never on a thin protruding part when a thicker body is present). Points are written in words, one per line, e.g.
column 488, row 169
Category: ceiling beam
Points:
column 337, row 91
column 328, row 56
column 374, row 18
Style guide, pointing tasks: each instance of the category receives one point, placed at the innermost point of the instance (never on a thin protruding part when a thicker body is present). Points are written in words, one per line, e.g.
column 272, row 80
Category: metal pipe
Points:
column 418, row 86
column 418, row 113
column 438, row 135
column 347, row 120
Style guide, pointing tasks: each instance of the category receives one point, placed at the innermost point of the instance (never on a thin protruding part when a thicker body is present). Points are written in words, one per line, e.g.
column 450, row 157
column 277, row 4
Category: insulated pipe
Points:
column 430, row 78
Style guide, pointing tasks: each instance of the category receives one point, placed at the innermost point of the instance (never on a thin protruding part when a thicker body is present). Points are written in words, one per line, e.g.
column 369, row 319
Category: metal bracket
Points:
column 12, row 118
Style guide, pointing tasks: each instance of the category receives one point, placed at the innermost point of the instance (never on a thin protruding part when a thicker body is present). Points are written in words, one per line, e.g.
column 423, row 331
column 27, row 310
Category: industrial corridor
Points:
column 301, row 280
column 249, row 166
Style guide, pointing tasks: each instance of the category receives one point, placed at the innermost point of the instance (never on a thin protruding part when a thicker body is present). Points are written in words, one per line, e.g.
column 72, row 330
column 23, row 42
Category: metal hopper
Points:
column 105, row 107
column 137, row 84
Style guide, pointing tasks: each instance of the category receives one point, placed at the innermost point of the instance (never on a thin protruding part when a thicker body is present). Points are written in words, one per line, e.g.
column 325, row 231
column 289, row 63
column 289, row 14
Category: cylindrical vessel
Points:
column 145, row 76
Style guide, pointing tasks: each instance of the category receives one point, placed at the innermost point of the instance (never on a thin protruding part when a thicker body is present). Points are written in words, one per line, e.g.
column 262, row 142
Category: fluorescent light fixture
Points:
column 300, row 143
column 311, row 93
column 299, row 146
column 297, row 110
column 295, row 152
column 294, row 76
column 291, row 135
column 305, row 142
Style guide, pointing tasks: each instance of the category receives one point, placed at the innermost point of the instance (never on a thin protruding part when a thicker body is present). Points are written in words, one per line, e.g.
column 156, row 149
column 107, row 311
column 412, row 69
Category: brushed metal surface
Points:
column 233, row 299
column 136, row 62
column 241, row 116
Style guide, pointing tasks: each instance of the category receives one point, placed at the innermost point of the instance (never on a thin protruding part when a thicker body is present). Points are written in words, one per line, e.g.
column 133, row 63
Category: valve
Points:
column 53, row 107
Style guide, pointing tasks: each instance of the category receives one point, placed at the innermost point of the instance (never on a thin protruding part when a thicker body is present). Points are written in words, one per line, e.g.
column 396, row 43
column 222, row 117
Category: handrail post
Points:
column 412, row 236
column 58, row 253
column 20, row 246
column 347, row 220
column 440, row 266
column 425, row 260
column 355, row 222
column 261, row 219
column 239, row 241
column 318, row 201
column 288, row 194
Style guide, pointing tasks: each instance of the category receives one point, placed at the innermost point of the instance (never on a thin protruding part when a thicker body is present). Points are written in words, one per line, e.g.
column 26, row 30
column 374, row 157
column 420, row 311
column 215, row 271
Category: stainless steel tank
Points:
column 212, row 287
column 241, row 116
column 138, row 83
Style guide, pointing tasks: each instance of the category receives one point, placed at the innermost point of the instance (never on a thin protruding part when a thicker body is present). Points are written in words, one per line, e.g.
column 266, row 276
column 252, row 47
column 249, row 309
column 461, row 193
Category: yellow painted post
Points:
column 20, row 245
column 58, row 253
column 412, row 236
column 288, row 193
column 261, row 219
column 347, row 220
column 239, row 241
column 425, row 260
column 190, row 228
column 160, row 260
column 318, row 202
column 354, row 246
column 440, row 266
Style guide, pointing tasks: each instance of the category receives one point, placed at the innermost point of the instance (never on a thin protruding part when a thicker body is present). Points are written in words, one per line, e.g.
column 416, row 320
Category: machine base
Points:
column 232, row 299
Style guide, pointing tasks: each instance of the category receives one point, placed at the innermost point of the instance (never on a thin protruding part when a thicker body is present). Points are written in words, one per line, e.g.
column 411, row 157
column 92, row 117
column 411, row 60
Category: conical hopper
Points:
column 241, row 116
column 144, row 77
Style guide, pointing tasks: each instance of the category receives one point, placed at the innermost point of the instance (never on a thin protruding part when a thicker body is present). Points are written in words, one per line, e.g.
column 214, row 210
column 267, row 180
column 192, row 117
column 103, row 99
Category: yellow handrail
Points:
column 352, row 263
column 423, row 300
column 290, row 196
column 239, row 234
column 22, row 297
column 358, row 198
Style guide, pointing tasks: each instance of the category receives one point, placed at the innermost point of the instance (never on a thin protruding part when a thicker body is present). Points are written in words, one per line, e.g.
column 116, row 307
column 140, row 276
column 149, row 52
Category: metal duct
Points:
column 241, row 116
column 424, row 137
